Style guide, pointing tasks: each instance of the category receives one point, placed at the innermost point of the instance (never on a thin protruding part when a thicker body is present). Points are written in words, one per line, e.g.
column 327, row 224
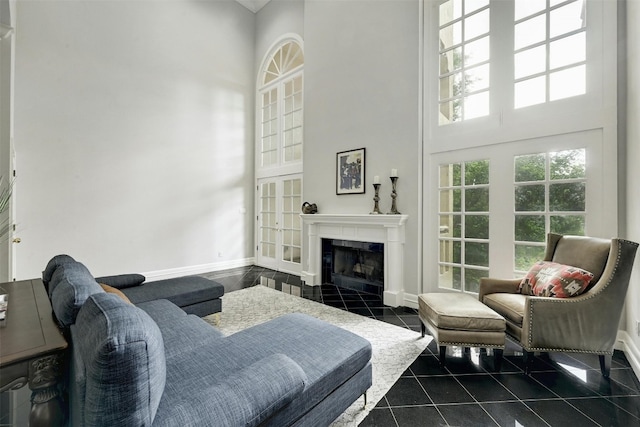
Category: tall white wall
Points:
column 277, row 18
column 633, row 175
column 361, row 90
column 134, row 134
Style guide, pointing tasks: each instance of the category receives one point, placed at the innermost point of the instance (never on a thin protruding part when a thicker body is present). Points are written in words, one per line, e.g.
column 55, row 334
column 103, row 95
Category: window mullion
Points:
column 501, row 56
column 281, row 118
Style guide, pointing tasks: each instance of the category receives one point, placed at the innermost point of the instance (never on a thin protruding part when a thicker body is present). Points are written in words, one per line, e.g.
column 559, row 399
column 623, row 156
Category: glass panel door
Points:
column 291, row 244
column 279, row 226
column 267, row 224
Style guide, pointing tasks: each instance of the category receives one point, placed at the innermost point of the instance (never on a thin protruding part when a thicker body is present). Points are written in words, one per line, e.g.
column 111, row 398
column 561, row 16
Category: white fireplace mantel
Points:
column 386, row 229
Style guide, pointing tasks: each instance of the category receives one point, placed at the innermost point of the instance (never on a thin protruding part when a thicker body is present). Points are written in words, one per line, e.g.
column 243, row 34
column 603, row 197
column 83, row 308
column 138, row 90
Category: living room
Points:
column 133, row 129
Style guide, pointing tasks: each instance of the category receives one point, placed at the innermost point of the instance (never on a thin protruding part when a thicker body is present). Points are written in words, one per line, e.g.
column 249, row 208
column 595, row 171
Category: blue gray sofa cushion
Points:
column 247, row 398
column 121, row 281
column 329, row 356
column 64, row 271
column 199, row 289
column 122, row 352
column 181, row 332
column 70, row 286
column 52, row 265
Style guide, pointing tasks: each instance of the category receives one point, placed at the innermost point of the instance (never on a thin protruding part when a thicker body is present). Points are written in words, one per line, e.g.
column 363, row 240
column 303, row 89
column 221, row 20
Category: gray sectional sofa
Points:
column 194, row 294
column 152, row 364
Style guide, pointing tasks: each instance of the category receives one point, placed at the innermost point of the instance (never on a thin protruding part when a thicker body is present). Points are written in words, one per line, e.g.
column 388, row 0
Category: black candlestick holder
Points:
column 376, row 199
column 394, row 194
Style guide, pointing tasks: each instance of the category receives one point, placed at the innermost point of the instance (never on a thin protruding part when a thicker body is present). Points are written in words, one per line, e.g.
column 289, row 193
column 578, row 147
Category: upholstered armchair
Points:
column 586, row 323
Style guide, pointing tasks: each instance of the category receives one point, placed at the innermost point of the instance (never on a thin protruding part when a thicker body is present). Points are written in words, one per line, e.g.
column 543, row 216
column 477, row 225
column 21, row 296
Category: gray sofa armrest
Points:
column 492, row 286
column 122, row 281
column 245, row 398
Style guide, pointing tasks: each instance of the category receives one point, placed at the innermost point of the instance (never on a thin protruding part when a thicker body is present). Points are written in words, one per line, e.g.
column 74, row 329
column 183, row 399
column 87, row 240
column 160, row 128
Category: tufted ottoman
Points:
column 461, row 320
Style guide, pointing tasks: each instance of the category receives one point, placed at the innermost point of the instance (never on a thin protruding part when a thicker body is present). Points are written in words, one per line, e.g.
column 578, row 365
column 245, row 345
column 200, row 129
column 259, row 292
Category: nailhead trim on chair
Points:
column 462, row 344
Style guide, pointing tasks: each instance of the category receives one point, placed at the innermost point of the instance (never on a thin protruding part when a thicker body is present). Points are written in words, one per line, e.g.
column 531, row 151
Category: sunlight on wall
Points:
column 232, row 164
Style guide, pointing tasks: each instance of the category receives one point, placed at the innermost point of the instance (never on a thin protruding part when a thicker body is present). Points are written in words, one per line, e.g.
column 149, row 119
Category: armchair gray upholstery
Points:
column 587, row 323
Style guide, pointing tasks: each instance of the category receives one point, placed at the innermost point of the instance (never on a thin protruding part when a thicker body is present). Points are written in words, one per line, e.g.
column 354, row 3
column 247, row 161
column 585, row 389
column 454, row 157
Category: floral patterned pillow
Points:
column 550, row 279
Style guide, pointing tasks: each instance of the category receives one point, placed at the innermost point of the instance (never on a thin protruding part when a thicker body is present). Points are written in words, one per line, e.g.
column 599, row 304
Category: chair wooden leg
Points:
column 605, row 364
column 528, row 361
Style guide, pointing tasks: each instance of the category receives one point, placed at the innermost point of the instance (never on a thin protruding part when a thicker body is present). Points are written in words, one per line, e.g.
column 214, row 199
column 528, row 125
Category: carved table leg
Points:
column 46, row 402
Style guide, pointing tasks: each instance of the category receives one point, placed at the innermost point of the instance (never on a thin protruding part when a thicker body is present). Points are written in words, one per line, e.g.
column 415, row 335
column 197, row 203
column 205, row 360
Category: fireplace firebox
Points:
column 354, row 265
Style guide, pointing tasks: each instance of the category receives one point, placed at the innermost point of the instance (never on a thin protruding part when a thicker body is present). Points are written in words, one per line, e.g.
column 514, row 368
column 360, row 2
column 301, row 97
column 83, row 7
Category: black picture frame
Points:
column 350, row 172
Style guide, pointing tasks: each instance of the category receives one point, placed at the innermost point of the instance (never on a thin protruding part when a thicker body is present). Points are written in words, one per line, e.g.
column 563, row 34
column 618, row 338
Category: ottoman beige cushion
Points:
column 460, row 319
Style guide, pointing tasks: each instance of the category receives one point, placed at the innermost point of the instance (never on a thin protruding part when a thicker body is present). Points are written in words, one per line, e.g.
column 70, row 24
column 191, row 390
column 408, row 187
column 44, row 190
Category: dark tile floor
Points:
column 563, row 389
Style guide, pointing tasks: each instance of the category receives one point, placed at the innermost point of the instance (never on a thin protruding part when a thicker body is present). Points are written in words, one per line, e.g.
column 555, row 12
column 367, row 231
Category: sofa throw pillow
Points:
column 118, row 292
column 550, row 279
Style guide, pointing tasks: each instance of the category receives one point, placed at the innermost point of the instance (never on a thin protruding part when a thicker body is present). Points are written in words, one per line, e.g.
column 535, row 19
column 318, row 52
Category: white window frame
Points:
column 546, row 212
column 598, row 211
column 281, row 167
column 445, row 266
column 548, row 71
column 515, row 124
column 465, row 66
column 282, row 170
column 588, row 121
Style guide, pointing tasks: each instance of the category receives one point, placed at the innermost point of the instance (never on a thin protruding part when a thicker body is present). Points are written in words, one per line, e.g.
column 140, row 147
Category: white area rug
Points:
column 394, row 348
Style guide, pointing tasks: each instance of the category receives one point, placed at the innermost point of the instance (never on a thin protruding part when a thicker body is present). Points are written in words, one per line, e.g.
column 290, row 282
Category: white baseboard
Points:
column 411, row 300
column 197, row 269
column 630, row 349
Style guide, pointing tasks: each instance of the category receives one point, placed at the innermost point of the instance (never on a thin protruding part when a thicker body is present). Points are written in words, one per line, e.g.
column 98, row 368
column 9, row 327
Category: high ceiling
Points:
column 253, row 5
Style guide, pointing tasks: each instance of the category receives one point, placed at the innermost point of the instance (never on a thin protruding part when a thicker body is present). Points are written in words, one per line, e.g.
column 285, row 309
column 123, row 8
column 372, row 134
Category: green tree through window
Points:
column 550, row 195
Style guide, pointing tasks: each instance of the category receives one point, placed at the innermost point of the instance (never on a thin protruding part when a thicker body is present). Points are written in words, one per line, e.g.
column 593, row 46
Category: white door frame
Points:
column 7, row 55
column 278, row 262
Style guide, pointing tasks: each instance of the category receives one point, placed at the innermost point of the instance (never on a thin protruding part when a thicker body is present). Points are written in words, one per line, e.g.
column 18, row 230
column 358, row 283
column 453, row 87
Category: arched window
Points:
column 279, row 130
column 281, row 106
column 288, row 58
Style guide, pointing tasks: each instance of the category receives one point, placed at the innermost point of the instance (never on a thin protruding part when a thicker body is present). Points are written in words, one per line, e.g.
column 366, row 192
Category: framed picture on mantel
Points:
column 350, row 172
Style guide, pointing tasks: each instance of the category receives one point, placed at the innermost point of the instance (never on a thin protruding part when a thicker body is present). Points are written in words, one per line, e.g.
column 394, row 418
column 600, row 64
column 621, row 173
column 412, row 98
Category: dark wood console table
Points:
column 32, row 350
